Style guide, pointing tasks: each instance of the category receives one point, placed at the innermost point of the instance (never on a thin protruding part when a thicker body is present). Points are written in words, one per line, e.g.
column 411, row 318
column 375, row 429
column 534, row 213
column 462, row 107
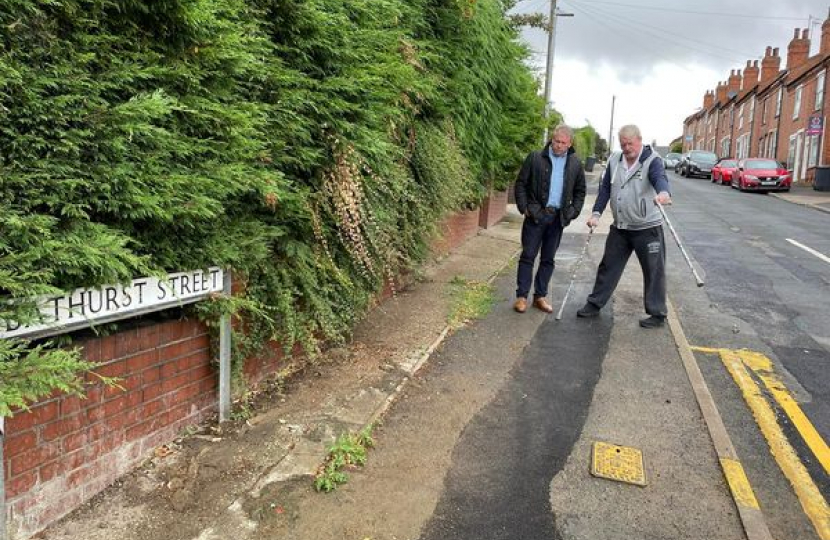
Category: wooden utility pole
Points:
column 549, row 65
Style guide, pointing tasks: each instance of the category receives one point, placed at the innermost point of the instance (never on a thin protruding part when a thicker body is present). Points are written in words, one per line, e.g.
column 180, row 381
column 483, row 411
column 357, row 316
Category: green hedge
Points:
column 311, row 145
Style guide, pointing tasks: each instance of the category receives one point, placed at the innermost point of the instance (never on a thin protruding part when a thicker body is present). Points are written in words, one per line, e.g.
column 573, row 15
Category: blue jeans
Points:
column 538, row 236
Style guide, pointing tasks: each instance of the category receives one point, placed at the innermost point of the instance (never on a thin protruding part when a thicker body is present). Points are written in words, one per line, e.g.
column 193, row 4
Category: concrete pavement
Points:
column 807, row 196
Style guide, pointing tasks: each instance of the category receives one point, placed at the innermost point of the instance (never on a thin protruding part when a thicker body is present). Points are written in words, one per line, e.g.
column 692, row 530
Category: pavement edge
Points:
column 752, row 518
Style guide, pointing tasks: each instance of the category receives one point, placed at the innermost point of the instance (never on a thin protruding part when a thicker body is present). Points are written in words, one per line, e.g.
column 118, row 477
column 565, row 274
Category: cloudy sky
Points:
column 658, row 57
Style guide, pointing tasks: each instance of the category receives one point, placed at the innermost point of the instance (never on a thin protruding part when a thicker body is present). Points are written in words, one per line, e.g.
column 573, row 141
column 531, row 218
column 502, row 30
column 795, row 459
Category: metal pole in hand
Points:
column 698, row 279
column 573, row 275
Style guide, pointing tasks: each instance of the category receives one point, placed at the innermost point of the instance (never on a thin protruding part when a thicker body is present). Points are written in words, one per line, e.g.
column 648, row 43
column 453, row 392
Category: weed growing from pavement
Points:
column 348, row 451
column 470, row 300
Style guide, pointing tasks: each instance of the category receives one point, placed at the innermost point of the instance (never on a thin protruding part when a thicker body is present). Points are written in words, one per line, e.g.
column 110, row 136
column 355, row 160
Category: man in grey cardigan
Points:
column 634, row 182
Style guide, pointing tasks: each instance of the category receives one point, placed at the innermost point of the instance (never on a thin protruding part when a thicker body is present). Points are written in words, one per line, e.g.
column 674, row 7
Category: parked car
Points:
column 678, row 168
column 761, row 174
column 723, row 170
column 698, row 163
column 671, row 160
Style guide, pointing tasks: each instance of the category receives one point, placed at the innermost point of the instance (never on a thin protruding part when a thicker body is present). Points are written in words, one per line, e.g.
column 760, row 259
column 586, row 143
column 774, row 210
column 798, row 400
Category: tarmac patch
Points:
column 619, row 463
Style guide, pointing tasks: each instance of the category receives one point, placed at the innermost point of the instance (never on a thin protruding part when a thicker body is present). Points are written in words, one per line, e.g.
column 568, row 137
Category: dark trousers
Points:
column 540, row 238
column 650, row 247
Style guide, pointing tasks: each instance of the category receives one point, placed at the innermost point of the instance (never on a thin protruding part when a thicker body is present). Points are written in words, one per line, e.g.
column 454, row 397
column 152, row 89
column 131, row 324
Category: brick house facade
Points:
column 766, row 111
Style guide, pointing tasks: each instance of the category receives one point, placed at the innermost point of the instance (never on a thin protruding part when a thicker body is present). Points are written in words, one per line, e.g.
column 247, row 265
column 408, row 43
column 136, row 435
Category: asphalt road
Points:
column 497, row 487
column 764, row 293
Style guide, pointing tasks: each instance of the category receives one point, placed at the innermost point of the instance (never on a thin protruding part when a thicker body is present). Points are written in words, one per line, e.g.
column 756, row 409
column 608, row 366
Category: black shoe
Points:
column 653, row 322
column 588, row 310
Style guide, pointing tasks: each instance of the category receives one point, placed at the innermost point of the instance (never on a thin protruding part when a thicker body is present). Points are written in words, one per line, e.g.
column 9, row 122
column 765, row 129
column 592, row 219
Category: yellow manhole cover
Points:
column 620, row 463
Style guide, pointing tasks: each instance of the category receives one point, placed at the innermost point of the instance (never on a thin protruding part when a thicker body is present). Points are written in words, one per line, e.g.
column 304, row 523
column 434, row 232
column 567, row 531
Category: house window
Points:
column 764, row 111
column 740, row 150
column 724, row 146
column 773, row 142
column 797, row 103
column 741, row 116
column 791, row 153
column 820, row 90
column 778, row 101
column 813, row 147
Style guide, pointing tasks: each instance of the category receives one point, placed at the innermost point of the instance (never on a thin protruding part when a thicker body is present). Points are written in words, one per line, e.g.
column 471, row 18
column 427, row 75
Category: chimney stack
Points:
column 798, row 50
column 708, row 99
column 734, row 82
column 825, row 35
column 720, row 92
column 750, row 74
column 770, row 65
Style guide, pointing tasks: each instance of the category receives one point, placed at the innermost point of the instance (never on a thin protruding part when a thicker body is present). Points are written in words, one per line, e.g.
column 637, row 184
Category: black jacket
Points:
column 533, row 185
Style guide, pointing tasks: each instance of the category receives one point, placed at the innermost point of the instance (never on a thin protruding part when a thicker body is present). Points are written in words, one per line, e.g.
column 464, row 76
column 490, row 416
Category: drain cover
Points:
column 620, row 463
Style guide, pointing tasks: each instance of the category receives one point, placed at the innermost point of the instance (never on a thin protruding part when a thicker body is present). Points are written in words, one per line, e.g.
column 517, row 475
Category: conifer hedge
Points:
column 310, row 145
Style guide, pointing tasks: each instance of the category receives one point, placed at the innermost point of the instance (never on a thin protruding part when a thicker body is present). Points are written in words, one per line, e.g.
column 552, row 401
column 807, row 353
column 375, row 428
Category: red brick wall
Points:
column 739, row 128
column 455, row 230
column 65, row 449
column 493, row 209
column 725, row 129
column 789, row 125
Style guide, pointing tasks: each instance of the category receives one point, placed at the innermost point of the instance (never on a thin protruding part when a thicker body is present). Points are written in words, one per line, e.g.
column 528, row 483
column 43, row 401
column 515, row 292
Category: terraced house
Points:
column 766, row 111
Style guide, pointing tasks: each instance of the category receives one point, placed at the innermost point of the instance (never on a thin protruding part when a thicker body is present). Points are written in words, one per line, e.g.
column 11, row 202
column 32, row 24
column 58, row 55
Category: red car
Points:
column 723, row 170
column 761, row 174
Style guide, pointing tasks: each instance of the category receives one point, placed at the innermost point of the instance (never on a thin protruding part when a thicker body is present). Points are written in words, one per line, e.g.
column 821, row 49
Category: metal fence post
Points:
column 225, row 357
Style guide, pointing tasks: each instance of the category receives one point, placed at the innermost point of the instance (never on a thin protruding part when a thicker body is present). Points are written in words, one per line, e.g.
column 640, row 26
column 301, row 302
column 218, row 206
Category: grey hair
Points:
column 563, row 128
column 630, row 130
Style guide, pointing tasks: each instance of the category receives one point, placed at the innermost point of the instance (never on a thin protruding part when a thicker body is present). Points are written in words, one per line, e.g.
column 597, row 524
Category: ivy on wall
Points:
column 310, row 145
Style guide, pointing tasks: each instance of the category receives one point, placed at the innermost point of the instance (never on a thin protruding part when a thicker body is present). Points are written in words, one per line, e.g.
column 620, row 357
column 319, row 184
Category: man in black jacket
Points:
column 550, row 191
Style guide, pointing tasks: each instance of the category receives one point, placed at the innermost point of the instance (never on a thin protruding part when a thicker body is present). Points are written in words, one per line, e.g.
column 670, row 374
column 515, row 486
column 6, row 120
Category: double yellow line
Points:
column 739, row 363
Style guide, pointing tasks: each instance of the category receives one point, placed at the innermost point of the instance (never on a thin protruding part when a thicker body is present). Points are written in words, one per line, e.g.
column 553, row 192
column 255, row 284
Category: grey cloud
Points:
column 635, row 40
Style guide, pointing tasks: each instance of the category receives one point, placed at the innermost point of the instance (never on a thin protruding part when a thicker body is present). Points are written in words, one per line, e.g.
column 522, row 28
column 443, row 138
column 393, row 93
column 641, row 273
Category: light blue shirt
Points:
column 557, row 179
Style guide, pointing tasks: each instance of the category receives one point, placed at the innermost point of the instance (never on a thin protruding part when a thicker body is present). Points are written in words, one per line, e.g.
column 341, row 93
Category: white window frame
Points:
column 791, row 152
column 779, row 98
column 741, row 116
column 724, row 146
column 797, row 101
column 772, row 141
column 812, row 158
column 764, row 111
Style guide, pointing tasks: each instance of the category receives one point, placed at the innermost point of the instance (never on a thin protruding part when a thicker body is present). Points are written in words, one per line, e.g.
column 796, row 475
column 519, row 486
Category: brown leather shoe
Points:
column 520, row 305
column 541, row 303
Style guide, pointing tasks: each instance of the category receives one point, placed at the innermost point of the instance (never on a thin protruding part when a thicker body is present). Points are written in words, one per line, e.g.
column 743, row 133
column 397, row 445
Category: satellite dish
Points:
column 731, row 94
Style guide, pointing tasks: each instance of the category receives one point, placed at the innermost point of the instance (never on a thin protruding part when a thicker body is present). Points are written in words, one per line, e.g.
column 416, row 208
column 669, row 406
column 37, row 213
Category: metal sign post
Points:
column 2, row 483
column 225, row 357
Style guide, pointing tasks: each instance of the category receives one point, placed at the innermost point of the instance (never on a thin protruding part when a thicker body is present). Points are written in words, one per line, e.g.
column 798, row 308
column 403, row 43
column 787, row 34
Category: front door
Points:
column 795, row 158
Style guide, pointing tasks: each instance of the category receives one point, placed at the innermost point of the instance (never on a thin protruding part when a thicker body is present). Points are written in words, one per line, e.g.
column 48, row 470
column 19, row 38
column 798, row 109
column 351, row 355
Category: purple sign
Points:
column 815, row 124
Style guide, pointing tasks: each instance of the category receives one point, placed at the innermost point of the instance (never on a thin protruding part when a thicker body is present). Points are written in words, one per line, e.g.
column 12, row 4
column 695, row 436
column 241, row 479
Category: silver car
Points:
column 671, row 160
